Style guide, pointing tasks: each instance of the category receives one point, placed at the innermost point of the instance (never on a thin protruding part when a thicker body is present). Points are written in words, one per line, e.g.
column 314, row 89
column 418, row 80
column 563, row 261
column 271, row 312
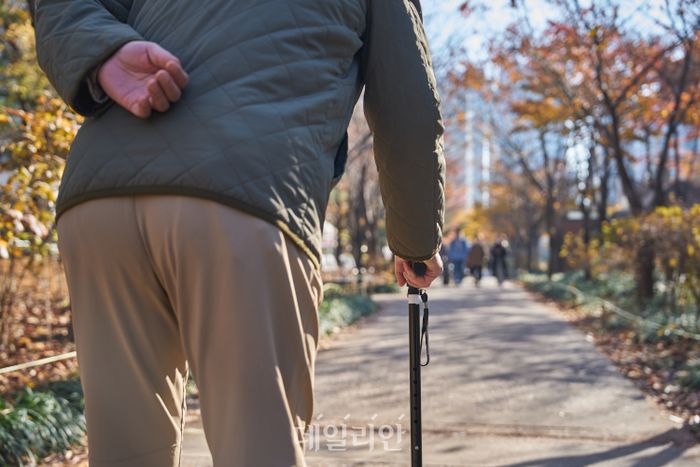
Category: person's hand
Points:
column 405, row 274
column 142, row 76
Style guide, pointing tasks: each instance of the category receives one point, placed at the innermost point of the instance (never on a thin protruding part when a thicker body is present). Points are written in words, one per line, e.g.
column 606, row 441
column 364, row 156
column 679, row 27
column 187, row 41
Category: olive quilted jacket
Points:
column 272, row 88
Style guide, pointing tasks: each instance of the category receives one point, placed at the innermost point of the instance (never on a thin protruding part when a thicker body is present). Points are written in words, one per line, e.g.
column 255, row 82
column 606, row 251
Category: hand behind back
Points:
column 142, row 76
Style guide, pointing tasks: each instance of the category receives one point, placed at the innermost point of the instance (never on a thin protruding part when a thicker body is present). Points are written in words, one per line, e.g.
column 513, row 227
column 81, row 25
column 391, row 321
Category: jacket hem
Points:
column 417, row 258
column 306, row 246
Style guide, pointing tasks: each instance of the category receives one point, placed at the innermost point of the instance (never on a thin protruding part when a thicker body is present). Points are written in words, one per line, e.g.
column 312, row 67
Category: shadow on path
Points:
column 676, row 438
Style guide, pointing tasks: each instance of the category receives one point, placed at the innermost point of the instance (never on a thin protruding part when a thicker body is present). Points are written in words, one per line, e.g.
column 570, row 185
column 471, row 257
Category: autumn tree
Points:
column 624, row 98
column 36, row 130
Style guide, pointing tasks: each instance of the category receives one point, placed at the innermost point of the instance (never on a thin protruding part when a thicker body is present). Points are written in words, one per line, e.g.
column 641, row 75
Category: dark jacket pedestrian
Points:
column 189, row 213
column 498, row 261
column 475, row 261
column 476, row 255
column 445, row 260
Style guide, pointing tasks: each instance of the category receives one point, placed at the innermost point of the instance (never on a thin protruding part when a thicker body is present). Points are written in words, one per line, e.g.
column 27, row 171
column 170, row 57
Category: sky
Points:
column 445, row 25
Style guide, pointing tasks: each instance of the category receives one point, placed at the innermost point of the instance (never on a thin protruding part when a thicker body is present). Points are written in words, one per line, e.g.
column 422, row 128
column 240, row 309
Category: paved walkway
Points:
column 509, row 383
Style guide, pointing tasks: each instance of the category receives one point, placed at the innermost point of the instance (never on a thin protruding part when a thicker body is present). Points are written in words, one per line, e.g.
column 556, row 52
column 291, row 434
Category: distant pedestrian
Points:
column 475, row 260
column 498, row 260
column 445, row 261
column 457, row 255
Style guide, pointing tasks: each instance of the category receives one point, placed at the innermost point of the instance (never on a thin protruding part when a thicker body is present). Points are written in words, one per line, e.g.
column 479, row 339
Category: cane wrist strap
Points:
column 424, row 328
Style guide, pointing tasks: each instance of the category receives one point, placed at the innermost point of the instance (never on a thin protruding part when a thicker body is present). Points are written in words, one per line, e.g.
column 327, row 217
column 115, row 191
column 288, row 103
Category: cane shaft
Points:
column 414, row 357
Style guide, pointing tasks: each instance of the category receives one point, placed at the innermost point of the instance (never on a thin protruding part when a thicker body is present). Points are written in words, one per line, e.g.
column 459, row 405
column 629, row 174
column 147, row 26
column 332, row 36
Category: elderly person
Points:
column 190, row 210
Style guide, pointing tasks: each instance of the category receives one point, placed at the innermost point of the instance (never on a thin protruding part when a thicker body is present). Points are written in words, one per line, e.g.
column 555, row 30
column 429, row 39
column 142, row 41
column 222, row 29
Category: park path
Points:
column 510, row 383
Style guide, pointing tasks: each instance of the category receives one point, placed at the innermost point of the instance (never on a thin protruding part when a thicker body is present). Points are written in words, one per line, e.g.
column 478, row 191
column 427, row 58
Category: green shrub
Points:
column 650, row 324
column 41, row 421
column 338, row 310
column 689, row 376
column 332, row 290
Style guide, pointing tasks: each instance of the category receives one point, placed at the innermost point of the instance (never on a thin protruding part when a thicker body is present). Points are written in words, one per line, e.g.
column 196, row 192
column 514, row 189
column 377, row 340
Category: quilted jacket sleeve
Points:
column 75, row 36
column 402, row 108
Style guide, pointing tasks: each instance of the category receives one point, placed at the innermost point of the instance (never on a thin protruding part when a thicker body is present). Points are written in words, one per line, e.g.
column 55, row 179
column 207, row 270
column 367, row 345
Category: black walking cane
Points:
column 416, row 333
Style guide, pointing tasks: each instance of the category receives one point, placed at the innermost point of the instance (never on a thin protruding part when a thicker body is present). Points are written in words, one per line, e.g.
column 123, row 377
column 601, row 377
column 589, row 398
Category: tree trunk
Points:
column 587, row 242
column 644, row 270
column 628, row 186
column 586, row 194
column 677, row 174
column 341, row 224
column 556, row 240
column 360, row 217
column 604, row 191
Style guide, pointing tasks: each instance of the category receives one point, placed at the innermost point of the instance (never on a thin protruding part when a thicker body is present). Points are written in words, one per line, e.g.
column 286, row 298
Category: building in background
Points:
column 470, row 149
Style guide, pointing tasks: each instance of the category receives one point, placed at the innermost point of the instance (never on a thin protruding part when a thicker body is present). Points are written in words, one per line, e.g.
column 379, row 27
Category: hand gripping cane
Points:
column 415, row 333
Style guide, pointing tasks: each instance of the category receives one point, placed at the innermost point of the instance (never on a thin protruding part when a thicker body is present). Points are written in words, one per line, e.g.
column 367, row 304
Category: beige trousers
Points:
column 163, row 283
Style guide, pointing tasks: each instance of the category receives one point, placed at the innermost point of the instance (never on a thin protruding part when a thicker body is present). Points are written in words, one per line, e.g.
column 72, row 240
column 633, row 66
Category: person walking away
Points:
column 446, row 262
column 475, row 260
column 190, row 209
column 498, row 261
column 457, row 254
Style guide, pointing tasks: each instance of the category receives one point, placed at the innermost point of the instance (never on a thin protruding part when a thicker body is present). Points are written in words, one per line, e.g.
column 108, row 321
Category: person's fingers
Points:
column 156, row 96
column 434, row 266
column 405, row 274
column 418, row 282
column 161, row 58
column 433, row 271
column 427, row 280
column 430, row 278
column 398, row 271
column 158, row 56
column 168, row 85
column 400, row 279
column 178, row 73
column 412, row 278
column 141, row 108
